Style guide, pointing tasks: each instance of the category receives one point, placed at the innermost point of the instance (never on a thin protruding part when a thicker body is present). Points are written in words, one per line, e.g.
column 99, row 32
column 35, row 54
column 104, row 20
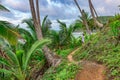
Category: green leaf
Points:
column 12, row 56
column 4, row 61
column 45, row 18
column 2, row 8
column 39, row 43
column 8, row 32
column 5, row 71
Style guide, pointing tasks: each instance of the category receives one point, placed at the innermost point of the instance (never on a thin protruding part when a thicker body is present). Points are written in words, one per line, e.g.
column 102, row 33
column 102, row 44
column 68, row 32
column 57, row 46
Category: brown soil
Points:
column 90, row 71
column 70, row 59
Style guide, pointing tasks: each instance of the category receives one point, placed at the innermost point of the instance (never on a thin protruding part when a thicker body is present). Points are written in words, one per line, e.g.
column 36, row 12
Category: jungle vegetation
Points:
column 40, row 53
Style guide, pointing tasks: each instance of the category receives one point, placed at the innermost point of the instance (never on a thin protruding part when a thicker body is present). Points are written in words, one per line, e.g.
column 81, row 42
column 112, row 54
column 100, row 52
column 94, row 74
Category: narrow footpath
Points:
column 90, row 71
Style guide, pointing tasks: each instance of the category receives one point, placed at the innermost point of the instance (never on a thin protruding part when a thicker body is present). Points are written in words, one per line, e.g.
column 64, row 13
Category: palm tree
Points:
column 29, row 34
column 52, row 60
column 17, row 63
column 83, row 15
column 66, row 33
column 79, row 22
column 63, row 37
column 93, row 12
column 36, row 18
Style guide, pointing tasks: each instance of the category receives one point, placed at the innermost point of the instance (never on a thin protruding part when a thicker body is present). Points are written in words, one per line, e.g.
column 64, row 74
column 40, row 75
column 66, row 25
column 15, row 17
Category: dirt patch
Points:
column 91, row 71
column 70, row 56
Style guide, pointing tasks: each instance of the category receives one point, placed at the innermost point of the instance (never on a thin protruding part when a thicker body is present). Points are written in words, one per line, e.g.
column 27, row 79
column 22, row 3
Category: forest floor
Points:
column 90, row 70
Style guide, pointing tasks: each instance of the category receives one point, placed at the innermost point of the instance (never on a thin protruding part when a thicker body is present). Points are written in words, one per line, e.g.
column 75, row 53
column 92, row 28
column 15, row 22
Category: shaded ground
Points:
column 90, row 71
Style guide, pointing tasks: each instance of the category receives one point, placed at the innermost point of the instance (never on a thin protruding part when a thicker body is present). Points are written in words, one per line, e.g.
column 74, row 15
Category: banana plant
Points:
column 17, row 64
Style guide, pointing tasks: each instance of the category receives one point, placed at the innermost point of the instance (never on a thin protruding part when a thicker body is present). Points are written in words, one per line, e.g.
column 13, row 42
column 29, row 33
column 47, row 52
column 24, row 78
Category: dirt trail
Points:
column 70, row 58
column 90, row 70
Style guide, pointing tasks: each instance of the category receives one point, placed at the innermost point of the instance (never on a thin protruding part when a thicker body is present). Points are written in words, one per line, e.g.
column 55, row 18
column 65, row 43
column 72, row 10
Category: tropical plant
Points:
column 46, row 25
column 115, row 27
column 93, row 13
column 83, row 15
column 75, row 42
column 63, row 37
column 29, row 34
column 115, row 24
column 54, row 35
column 17, row 64
column 36, row 20
column 9, row 32
column 80, row 22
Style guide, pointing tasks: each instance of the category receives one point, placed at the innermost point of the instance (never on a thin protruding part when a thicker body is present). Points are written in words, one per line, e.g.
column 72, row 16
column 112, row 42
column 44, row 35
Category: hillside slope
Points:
column 104, row 49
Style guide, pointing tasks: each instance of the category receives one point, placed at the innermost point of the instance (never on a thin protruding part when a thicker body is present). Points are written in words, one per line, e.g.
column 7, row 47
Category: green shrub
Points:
column 64, row 53
column 102, row 48
column 115, row 25
column 62, row 72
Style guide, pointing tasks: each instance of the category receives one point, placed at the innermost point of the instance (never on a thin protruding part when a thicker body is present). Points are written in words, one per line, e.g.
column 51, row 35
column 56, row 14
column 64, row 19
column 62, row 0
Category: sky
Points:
column 64, row 10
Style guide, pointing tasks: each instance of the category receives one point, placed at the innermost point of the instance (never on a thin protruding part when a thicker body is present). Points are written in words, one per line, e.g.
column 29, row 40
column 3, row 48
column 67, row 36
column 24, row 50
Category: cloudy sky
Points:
column 65, row 10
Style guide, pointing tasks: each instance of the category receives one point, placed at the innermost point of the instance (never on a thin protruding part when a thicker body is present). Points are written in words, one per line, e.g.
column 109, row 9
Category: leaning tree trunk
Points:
column 93, row 12
column 84, row 20
column 51, row 58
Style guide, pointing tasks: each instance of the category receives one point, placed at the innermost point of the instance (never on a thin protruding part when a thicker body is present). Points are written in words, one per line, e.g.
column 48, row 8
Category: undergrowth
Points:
column 65, row 71
column 102, row 48
column 64, row 53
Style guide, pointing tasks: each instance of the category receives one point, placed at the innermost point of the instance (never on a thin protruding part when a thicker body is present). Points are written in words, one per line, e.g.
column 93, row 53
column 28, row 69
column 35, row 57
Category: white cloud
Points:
column 21, row 5
column 10, row 20
column 56, row 9
column 112, row 2
column 17, row 18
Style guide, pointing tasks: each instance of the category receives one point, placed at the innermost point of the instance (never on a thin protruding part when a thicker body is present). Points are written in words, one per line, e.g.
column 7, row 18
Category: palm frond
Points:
column 39, row 43
column 12, row 56
column 30, row 24
column 4, row 61
column 27, row 35
column 2, row 8
column 54, row 35
column 5, row 71
column 45, row 18
column 46, row 25
column 8, row 32
column 63, row 26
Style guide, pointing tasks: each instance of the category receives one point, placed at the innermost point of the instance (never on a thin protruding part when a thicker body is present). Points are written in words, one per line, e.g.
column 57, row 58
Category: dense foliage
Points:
column 103, row 48
column 22, row 56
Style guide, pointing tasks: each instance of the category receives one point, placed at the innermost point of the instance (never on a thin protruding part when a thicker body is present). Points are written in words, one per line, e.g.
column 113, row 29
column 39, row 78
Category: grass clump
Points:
column 64, row 71
column 64, row 53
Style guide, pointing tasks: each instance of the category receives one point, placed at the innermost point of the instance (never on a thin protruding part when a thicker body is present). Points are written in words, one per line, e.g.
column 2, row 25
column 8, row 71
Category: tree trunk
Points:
column 93, row 12
column 35, row 20
column 51, row 58
column 84, row 20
